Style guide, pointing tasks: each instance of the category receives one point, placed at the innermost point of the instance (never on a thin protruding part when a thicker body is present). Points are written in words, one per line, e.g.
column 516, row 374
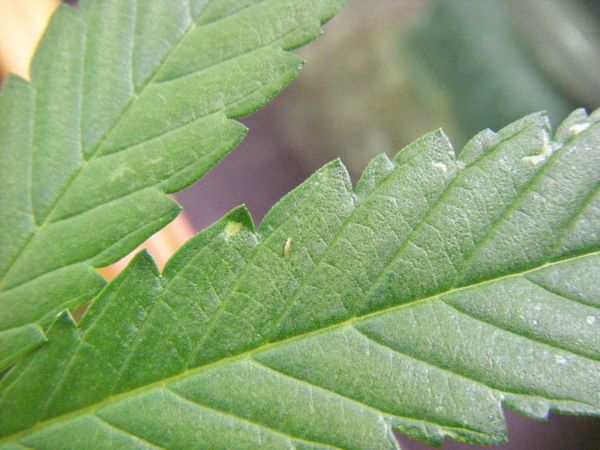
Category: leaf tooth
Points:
column 538, row 120
column 377, row 169
column 243, row 216
column 331, row 180
column 574, row 124
column 434, row 143
column 478, row 147
column 16, row 414
column 190, row 249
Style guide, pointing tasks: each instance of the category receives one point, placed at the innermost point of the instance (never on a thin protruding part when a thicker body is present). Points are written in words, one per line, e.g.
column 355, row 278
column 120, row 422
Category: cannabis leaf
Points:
column 129, row 100
column 439, row 289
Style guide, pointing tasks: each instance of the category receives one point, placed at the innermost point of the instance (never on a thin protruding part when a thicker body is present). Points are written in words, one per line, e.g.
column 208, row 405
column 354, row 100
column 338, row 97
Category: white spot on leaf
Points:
column 560, row 359
column 440, row 165
column 232, row 228
column 120, row 172
column 591, row 320
column 578, row 127
column 546, row 153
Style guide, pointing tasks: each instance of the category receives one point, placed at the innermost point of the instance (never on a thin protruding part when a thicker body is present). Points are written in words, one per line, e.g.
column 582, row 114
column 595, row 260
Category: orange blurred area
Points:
column 22, row 23
column 162, row 245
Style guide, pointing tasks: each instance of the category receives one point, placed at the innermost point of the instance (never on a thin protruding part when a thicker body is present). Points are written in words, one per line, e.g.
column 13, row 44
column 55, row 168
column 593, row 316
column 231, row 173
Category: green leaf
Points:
column 439, row 289
column 129, row 101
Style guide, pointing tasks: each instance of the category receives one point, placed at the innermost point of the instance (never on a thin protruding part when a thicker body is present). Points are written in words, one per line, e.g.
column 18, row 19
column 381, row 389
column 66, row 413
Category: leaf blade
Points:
column 100, row 123
column 233, row 337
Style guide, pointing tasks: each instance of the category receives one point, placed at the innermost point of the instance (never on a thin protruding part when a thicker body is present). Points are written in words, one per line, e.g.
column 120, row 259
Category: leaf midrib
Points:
column 250, row 353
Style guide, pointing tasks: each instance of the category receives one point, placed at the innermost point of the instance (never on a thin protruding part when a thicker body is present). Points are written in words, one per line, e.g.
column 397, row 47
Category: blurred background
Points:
column 386, row 72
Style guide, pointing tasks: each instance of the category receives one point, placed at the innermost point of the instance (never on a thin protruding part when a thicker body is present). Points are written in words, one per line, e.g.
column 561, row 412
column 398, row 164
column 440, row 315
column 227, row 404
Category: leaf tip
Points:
column 535, row 120
column 575, row 123
column 237, row 219
column 141, row 262
column 63, row 322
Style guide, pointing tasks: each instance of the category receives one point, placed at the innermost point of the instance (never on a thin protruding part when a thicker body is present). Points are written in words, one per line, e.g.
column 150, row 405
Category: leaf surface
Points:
column 438, row 289
column 129, row 100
